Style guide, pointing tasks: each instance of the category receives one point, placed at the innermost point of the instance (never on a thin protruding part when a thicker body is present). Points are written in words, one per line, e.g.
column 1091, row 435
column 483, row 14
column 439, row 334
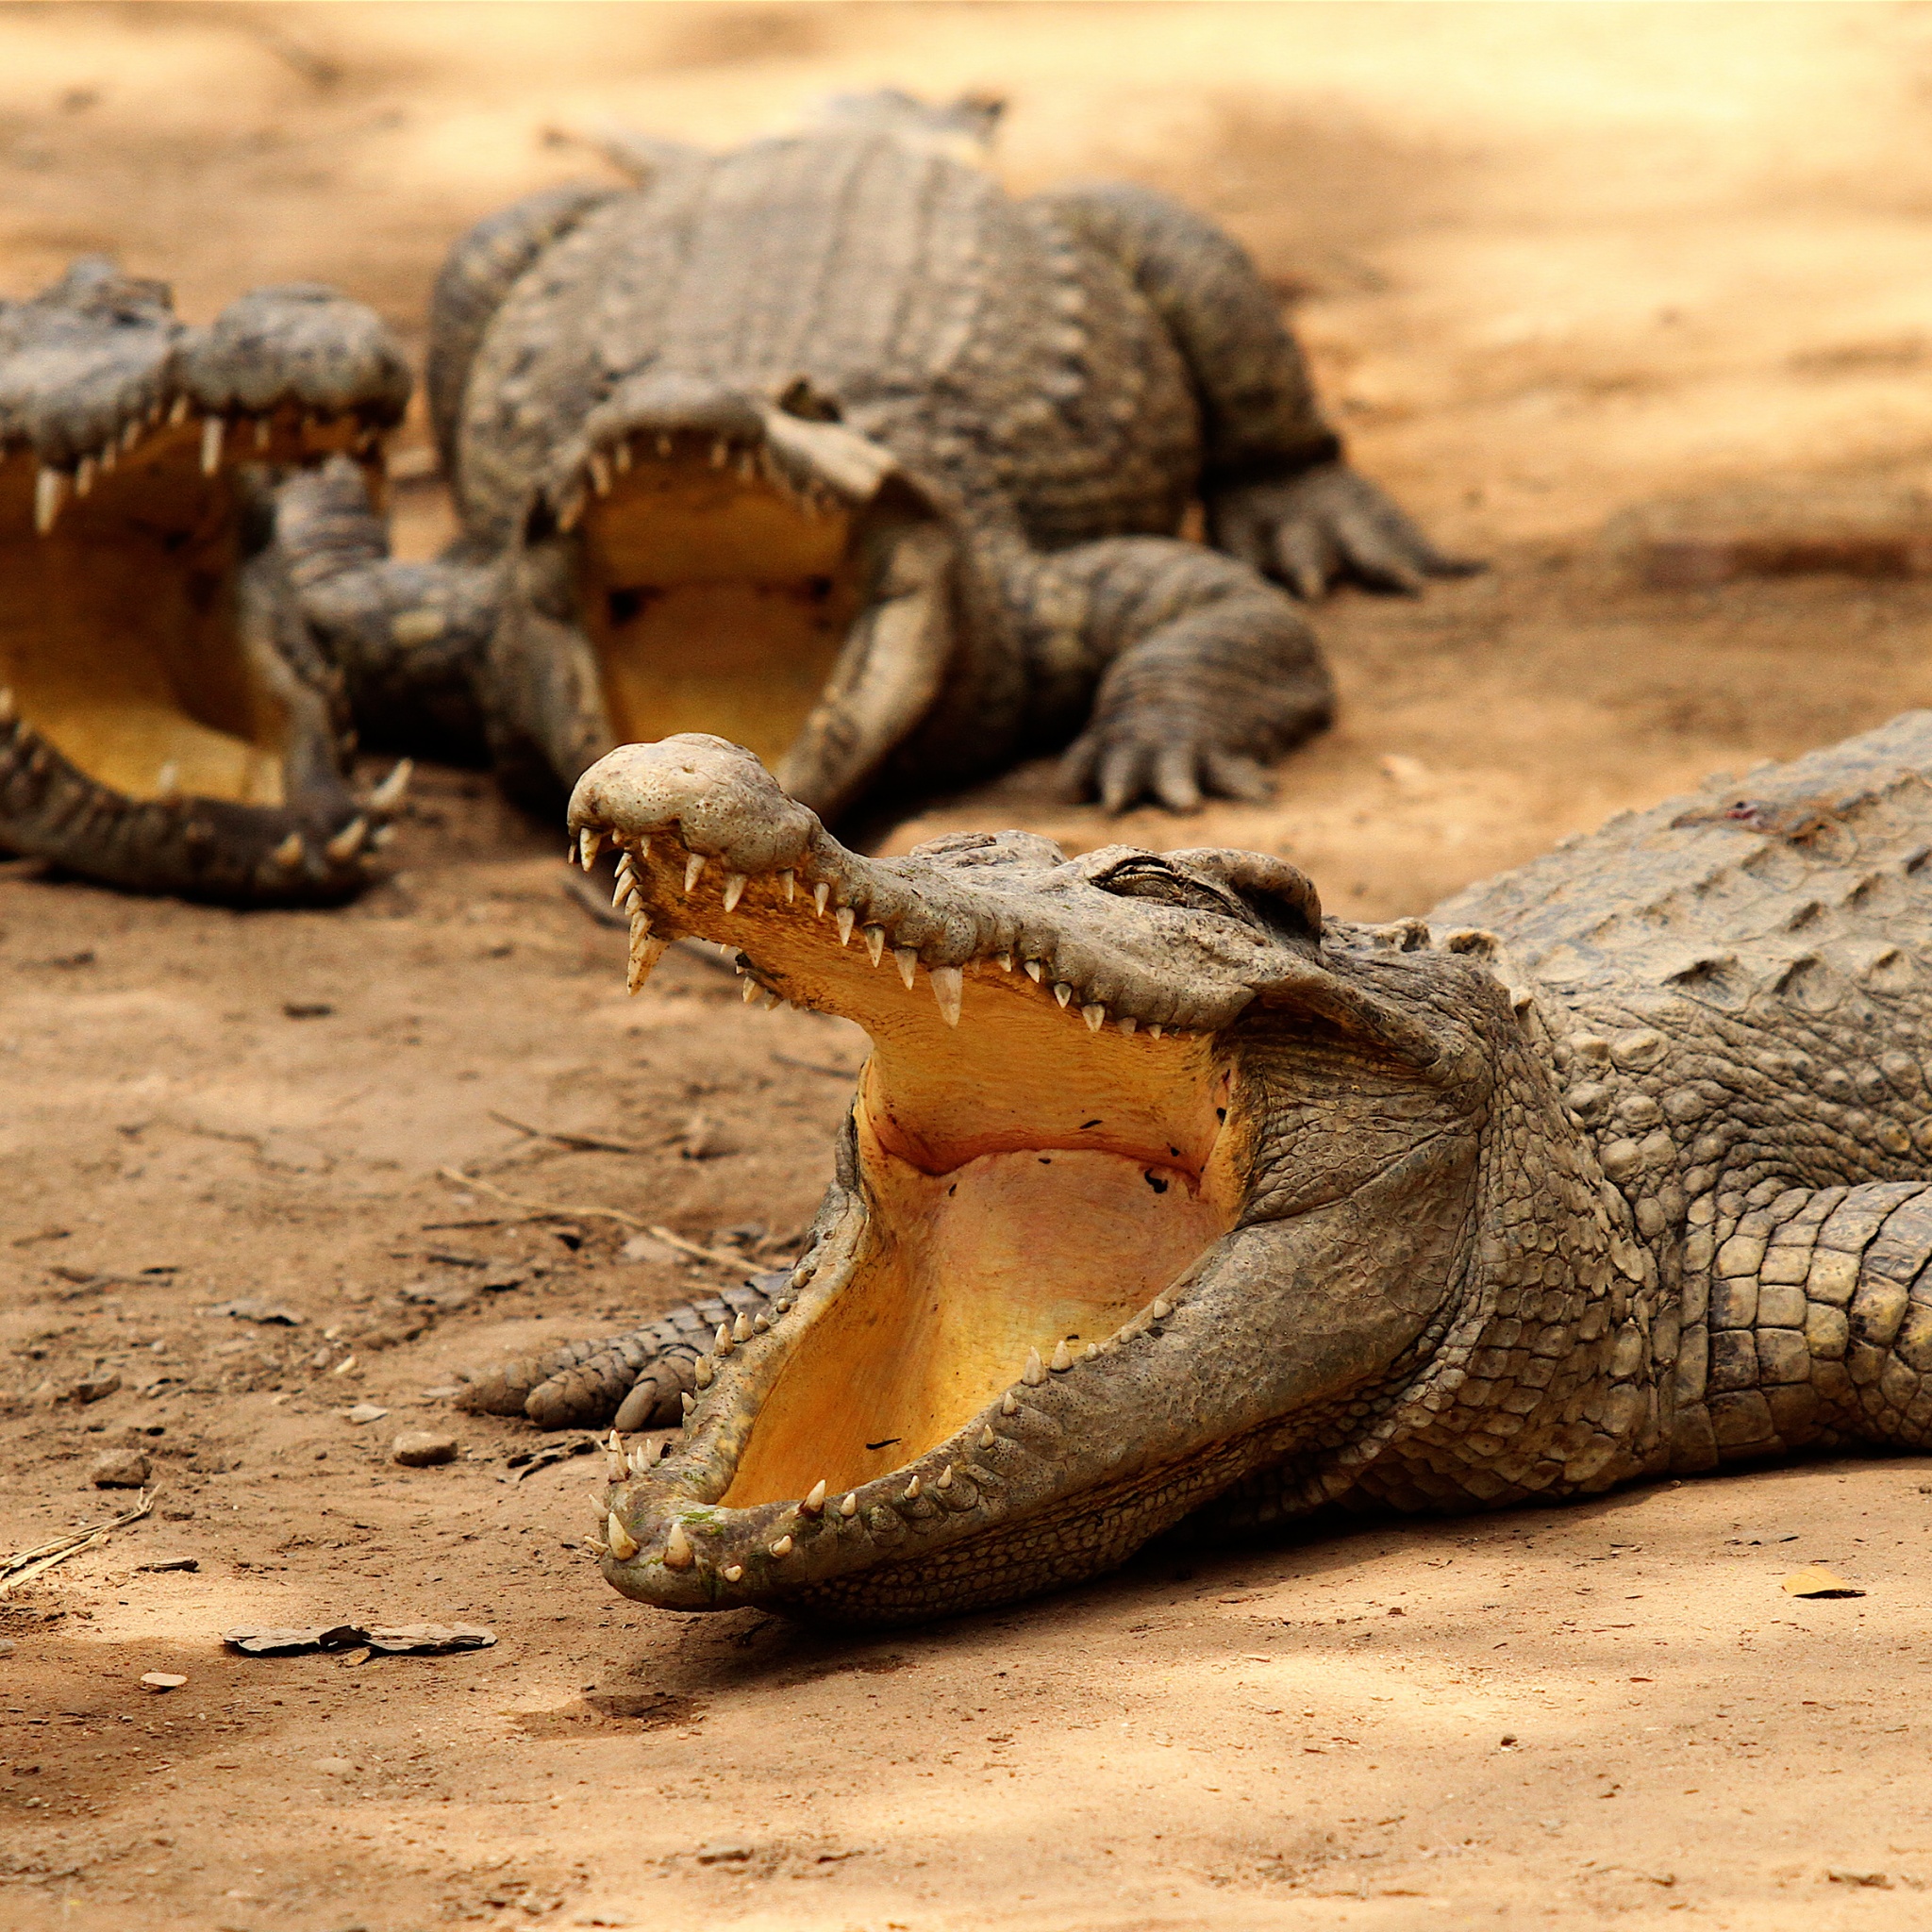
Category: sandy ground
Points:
column 1557, row 264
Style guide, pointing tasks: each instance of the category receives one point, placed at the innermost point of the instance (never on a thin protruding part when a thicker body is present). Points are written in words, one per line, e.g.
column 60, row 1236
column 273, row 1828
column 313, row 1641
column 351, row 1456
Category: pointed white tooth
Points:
column 389, row 794
column 600, row 473
column 568, row 512
column 734, row 889
column 50, row 486
column 702, row 1373
column 622, row 889
column 1095, row 1017
column 83, row 476
column 752, row 990
column 986, row 1438
column 110, row 456
column 1009, row 1404
column 907, row 963
column 719, row 451
column 761, row 1323
column 733, row 1572
column 773, row 1001
column 211, row 427
column 644, row 954
column 678, row 1554
column 1062, row 992
column 741, row 1329
column 875, row 942
column 132, row 434
column 624, row 1546
column 1003, row 962
column 948, row 983
column 621, row 453
column 589, row 844
column 722, row 1343
column 1034, row 1374
column 654, row 1453
column 848, row 1507
column 844, row 924
column 1062, row 1360
column 177, row 409
column 290, row 853
column 694, row 868
column 168, row 780
column 1155, row 1029
column 1094, row 1351
column 782, row 1548
column 1126, row 1022
column 789, row 880
column 912, row 1490
column 1161, row 1309
column 348, row 841
column 1035, row 972
column 814, row 1498
column 820, row 893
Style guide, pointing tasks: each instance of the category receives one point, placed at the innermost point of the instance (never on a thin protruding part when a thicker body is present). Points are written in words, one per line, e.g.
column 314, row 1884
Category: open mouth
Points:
column 1045, row 1141
column 164, row 723
column 739, row 567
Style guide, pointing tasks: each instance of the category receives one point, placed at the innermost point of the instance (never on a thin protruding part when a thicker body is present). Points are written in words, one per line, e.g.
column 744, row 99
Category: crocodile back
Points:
column 995, row 355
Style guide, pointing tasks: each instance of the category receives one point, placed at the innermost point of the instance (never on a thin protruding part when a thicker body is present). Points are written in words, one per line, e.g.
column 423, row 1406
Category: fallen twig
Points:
column 557, row 1210
column 27, row 1564
column 588, row 1143
column 786, row 1060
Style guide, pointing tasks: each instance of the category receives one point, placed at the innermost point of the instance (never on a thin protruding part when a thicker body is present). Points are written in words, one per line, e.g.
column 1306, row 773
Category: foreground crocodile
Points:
column 1162, row 1197
column 830, row 445
column 166, row 720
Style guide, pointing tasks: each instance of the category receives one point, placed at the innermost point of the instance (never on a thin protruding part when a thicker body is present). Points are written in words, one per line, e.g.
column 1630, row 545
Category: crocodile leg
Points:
column 1812, row 1326
column 406, row 638
column 638, row 1379
column 1280, row 495
column 1200, row 669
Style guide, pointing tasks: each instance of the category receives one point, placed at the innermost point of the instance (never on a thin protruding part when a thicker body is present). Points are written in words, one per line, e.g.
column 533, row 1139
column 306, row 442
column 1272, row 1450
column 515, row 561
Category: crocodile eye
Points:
column 1145, row 877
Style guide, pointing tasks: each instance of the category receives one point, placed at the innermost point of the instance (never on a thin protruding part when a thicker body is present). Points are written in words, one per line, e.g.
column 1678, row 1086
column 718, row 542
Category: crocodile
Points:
column 1166, row 1203
column 832, row 446
column 167, row 721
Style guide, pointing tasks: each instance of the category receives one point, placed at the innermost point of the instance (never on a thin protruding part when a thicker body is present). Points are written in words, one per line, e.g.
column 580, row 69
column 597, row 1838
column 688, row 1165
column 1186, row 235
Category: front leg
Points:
column 1204, row 670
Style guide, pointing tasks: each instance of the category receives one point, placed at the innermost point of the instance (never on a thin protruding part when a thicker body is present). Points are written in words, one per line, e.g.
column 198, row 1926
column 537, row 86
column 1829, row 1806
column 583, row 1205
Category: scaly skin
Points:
column 1616, row 1166
column 167, row 722
column 1012, row 403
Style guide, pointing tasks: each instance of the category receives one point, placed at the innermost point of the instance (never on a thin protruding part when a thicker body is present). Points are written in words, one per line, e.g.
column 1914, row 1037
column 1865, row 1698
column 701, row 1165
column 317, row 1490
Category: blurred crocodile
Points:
column 167, row 722
column 830, row 445
column 1164, row 1198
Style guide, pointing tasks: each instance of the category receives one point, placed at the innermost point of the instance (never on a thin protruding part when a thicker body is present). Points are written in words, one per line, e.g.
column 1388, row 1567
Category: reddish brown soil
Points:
column 1557, row 264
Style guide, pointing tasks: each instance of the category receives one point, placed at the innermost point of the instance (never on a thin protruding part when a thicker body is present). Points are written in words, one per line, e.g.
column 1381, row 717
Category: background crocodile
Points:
column 832, row 446
column 166, row 719
column 1162, row 1198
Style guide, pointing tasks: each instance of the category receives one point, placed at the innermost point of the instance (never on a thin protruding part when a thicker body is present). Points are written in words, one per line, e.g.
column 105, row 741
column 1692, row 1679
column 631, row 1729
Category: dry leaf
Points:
column 1816, row 1580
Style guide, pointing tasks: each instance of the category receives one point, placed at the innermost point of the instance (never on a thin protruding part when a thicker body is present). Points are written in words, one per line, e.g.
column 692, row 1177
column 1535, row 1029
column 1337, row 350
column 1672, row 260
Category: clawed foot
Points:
column 1309, row 531
column 1122, row 759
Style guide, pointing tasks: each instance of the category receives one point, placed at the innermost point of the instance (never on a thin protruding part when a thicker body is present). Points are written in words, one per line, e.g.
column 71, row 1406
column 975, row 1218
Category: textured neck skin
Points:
column 1733, row 991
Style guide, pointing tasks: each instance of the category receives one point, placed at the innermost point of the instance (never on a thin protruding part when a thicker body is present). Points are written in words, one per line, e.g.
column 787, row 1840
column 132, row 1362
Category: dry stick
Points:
column 587, row 1143
column 28, row 1564
column 549, row 1208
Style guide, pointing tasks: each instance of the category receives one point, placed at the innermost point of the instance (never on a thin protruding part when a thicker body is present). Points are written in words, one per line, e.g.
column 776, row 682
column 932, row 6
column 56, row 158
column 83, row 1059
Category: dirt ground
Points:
column 1559, row 265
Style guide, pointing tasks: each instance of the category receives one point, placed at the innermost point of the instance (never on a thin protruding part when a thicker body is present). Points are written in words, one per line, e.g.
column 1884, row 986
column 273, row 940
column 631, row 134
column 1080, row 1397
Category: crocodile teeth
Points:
column 760, row 1324
column 389, row 794
column 694, row 869
column 600, row 476
column 912, row 1494
column 678, row 1554
column 722, row 1343
column 589, row 844
column 1126, row 1022
column 844, row 917
column 907, row 963
column 848, row 1507
column 168, row 780
column 50, row 486
column 945, row 1481
column 875, row 942
column 624, row 1546
column 1035, row 971
column 1155, row 1029
column 947, row 985
column 1161, row 1309
column 820, row 893
column 986, row 1438
column 734, row 889
column 290, row 852
column 733, row 1572
column 211, row 428
column 645, row 953
column 790, row 881
column 1010, row 1403
column 1095, row 1017
column 702, row 1373
column 814, row 1499
column 1003, row 962
column 719, row 451
column 1062, row 992
column 620, row 453
column 1061, row 1360
column 1094, row 1351
column 750, row 989
column 83, row 476
column 1034, row 1374
column 348, row 841
column 741, row 1329
column 782, row 1548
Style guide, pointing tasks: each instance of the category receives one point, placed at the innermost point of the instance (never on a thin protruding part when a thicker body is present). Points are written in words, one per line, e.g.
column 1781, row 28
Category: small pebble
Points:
column 6, row 1646
column 421, row 1448
column 95, row 1388
column 162, row 1681
column 333, row 1767
column 119, row 1469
